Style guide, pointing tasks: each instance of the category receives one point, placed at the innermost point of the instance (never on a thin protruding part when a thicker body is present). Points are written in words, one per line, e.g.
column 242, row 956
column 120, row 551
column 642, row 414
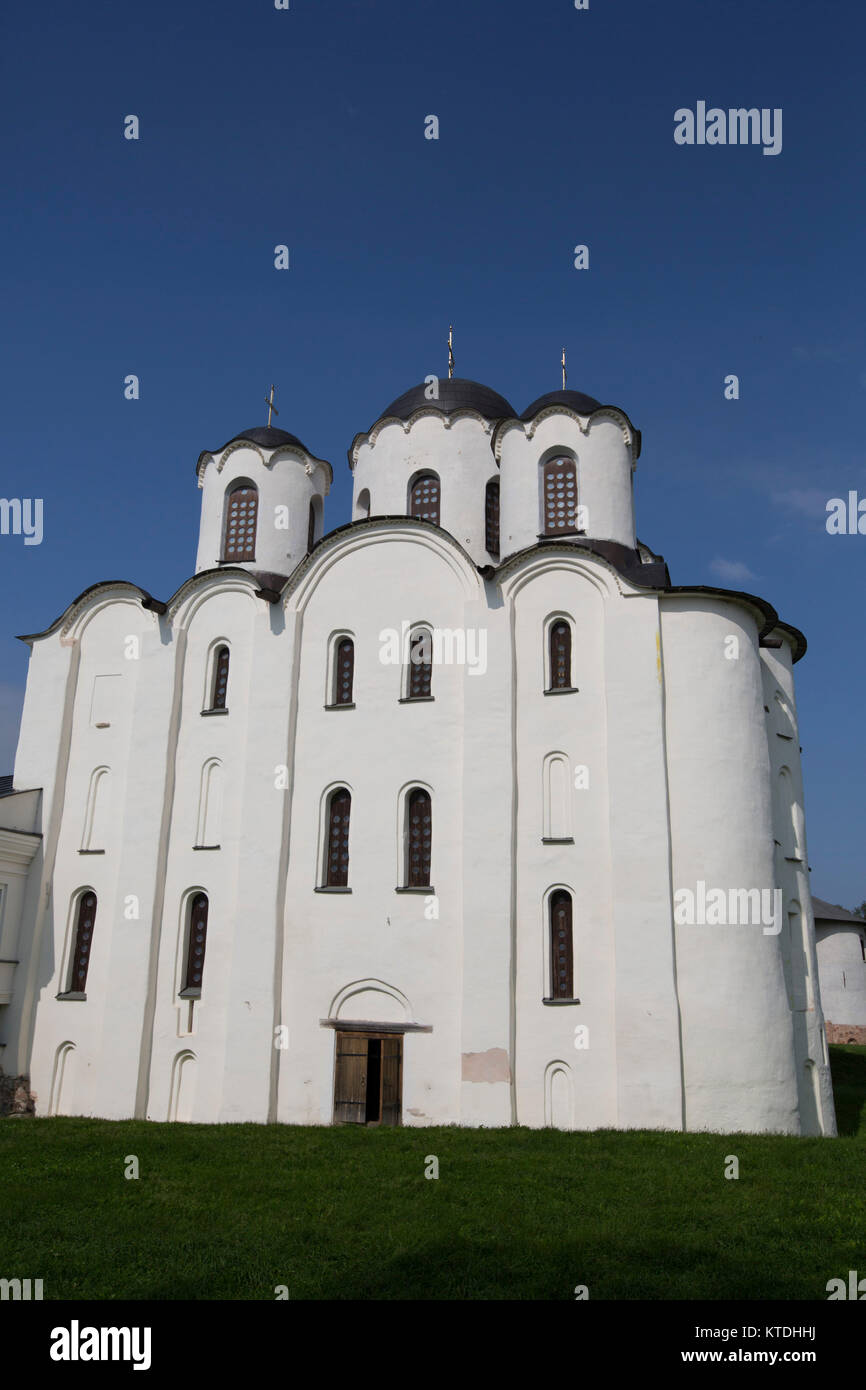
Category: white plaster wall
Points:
column 843, row 972
column 102, row 636
column 574, row 724
column 458, row 450
column 604, row 477
column 488, row 804
column 233, row 615
column 738, row 1052
column 798, row 947
column 378, row 750
column 649, row 1060
column 20, row 862
column 682, row 759
column 282, row 479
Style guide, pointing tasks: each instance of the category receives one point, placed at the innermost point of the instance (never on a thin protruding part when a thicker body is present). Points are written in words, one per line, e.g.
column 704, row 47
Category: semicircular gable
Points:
column 381, row 531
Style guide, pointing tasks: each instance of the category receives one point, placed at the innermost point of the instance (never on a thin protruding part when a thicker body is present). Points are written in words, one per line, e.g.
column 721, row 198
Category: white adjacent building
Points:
column 438, row 818
column 840, row 937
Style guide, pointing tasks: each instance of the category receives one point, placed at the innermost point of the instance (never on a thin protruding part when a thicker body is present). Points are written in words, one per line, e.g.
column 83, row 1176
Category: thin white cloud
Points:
column 732, row 571
column 808, row 501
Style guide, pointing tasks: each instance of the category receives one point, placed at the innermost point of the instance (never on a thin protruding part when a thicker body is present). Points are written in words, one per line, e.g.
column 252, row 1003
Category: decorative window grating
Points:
column 197, row 941
column 561, row 965
column 344, row 671
column 337, row 864
column 424, row 498
column 419, row 839
column 560, row 496
column 420, row 665
column 86, row 918
column 240, row 536
column 220, row 678
column 491, row 517
column 560, row 656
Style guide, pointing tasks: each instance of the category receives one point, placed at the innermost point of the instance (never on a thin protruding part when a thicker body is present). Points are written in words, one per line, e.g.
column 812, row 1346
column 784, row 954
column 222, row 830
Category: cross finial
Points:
column 269, row 402
column 450, row 353
column 564, row 372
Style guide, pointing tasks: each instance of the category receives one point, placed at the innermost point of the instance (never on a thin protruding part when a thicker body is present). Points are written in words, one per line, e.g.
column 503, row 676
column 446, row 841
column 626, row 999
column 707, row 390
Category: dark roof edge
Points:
column 627, row 562
column 622, row 558
column 833, row 912
column 799, row 640
column 147, row 601
column 771, row 617
column 260, row 580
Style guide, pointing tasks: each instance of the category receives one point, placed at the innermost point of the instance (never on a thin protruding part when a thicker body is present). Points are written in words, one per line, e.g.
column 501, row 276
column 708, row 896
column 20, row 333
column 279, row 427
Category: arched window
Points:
column 424, row 498
column 560, row 496
column 311, row 527
column 560, row 655
column 561, row 969
column 362, row 506
column 85, row 918
column 337, row 862
column 344, row 671
column 420, row 676
column 220, row 683
column 240, row 535
column 419, row 838
column 491, row 517
column 196, row 942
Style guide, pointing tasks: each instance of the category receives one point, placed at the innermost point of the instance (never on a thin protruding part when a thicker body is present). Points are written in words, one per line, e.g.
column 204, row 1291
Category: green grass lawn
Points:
column 232, row 1211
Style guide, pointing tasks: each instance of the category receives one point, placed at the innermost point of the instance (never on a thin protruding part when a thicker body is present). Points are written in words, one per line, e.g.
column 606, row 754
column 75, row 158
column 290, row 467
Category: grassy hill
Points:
column 233, row 1211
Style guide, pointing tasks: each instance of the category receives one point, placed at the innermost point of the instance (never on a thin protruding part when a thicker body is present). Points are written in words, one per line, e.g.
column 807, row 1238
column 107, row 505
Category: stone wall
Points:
column 846, row 1033
column 16, row 1098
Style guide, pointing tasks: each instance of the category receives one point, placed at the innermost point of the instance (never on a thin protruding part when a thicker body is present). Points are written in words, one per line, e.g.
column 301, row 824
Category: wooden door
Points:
column 392, row 1078
column 350, row 1079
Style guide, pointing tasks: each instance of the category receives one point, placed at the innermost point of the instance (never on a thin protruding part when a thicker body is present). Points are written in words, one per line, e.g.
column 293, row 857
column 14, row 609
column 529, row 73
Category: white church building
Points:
column 461, row 813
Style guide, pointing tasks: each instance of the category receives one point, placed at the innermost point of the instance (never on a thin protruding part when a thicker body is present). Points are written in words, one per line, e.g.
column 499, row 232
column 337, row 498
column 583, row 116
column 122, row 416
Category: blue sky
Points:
column 306, row 127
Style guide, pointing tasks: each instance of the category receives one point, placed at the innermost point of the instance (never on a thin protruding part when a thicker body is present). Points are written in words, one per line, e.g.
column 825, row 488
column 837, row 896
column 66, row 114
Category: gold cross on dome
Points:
column 450, row 353
column 269, row 402
column 564, row 372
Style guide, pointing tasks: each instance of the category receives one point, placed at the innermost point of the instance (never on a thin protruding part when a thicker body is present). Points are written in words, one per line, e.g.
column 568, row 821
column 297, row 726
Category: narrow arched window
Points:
column 424, row 498
column 197, row 941
column 220, row 685
column 344, row 671
column 491, row 517
column 85, row 918
column 560, row 496
column 420, row 679
column 561, row 968
column 560, row 656
column 311, row 527
column 240, row 533
column 419, row 838
column 362, row 506
column 337, row 862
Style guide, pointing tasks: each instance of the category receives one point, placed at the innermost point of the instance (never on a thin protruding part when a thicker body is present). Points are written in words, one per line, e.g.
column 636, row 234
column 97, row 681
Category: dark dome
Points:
column 574, row 400
column 455, row 393
column 268, row 436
